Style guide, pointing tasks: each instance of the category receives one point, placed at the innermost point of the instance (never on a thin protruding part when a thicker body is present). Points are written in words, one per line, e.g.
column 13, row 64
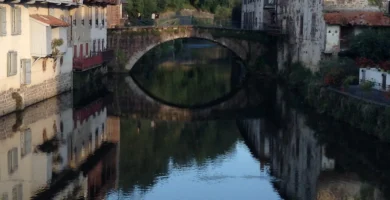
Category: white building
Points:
column 89, row 35
column 257, row 13
column 39, row 42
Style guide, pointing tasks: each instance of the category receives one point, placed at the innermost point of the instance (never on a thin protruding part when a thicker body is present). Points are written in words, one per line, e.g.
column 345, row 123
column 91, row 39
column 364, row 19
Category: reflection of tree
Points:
column 181, row 74
column 146, row 155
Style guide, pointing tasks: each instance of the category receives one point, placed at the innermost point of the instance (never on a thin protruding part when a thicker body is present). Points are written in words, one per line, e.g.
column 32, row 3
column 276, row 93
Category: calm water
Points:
column 119, row 143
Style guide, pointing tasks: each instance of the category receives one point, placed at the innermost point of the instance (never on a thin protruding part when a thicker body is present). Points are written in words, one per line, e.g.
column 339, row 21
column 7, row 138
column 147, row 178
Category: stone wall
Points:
column 18, row 99
column 304, row 24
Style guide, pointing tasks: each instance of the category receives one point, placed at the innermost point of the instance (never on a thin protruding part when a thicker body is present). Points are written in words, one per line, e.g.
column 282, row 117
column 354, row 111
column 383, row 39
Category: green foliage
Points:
column 349, row 80
column 54, row 44
column 221, row 8
column 372, row 44
column 367, row 86
column 299, row 75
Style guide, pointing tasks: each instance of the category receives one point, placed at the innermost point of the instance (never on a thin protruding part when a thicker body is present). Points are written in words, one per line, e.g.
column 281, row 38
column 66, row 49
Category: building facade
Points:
column 42, row 43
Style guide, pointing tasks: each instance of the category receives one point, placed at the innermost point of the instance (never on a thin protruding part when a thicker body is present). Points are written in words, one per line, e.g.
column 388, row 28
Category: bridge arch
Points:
column 137, row 41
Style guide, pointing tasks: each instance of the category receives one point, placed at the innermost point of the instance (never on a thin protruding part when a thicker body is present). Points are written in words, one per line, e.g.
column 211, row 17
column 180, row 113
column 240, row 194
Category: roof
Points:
column 359, row 18
column 50, row 20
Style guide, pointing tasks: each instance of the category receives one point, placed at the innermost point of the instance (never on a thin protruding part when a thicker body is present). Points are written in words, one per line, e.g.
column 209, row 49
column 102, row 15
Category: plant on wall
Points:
column 54, row 46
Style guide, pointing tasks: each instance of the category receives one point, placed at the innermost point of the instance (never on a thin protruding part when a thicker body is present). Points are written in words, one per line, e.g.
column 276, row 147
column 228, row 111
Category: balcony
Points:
column 96, row 59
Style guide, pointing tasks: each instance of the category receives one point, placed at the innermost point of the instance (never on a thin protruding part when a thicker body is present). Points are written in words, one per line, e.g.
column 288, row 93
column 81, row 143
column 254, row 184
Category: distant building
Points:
column 117, row 15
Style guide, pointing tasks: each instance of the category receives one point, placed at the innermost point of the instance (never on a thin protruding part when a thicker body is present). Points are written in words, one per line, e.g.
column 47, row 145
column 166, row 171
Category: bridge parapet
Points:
column 133, row 42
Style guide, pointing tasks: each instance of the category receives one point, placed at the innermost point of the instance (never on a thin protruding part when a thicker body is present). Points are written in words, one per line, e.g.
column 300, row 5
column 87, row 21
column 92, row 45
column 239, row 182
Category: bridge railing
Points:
column 205, row 22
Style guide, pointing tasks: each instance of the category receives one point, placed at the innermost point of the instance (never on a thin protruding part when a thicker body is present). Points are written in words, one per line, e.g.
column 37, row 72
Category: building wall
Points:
column 255, row 13
column 48, row 78
column 114, row 15
column 19, row 43
column 303, row 22
column 375, row 76
column 332, row 39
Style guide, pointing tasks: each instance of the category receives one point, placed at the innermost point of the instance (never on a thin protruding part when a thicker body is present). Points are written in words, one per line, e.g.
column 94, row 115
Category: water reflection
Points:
column 188, row 160
column 188, row 72
column 54, row 151
column 57, row 150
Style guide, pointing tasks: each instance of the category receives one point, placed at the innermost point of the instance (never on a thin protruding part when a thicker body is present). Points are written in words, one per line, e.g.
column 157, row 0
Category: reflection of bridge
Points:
column 131, row 101
column 134, row 42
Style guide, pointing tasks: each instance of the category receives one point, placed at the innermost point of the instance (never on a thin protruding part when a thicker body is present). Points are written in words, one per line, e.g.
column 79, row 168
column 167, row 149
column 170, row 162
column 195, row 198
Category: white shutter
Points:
column 26, row 75
column 3, row 21
column 19, row 20
column 14, row 63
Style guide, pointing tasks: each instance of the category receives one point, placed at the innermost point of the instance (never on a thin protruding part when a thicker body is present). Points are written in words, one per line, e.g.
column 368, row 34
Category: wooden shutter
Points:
column 3, row 21
column 86, row 49
column 18, row 20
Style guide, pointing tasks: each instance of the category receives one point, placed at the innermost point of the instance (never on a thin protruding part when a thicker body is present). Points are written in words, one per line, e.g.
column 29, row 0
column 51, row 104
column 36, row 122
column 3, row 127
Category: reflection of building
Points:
column 300, row 163
column 89, row 131
column 51, row 143
column 24, row 167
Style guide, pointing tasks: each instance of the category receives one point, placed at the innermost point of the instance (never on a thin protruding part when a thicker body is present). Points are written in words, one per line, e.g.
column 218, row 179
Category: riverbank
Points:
column 340, row 102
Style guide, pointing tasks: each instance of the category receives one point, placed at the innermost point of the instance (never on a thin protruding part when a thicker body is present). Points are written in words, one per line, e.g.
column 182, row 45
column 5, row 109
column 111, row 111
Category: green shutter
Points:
column 3, row 21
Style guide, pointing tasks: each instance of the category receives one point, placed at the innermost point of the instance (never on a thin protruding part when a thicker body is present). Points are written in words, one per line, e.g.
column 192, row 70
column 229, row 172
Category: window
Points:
column 96, row 16
column 90, row 15
column 12, row 160
column 313, row 25
column 102, row 44
column 86, row 49
column 17, row 192
column 12, row 65
column 16, row 24
column 4, row 196
column 25, row 141
column 26, row 68
column 94, row 46
column 3, row 21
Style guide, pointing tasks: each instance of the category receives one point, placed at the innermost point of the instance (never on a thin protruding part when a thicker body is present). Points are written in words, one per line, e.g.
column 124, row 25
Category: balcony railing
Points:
column 96, row 59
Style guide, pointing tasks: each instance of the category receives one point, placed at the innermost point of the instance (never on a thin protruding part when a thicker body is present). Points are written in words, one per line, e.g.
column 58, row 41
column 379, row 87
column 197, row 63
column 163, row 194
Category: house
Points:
column 256, row 13
column 89, row 35
column 341, row 25
column 117, row 15
column 42, row 43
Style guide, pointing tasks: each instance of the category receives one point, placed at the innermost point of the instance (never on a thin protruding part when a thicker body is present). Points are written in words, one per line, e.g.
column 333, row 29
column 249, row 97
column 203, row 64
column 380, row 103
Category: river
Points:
column 187, row 123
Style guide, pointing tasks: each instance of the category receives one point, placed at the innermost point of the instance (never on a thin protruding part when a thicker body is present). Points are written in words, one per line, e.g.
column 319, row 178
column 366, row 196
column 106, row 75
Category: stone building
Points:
column 116, row 15
column 314, row 29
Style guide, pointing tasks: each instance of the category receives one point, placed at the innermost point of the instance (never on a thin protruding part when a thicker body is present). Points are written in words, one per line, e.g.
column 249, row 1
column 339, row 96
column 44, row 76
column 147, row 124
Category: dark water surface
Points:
column 119, row 143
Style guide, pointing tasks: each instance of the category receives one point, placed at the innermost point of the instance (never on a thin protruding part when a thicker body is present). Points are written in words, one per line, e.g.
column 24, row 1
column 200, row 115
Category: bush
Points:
column 371, row 44
column 367, row 86
column 334, row 71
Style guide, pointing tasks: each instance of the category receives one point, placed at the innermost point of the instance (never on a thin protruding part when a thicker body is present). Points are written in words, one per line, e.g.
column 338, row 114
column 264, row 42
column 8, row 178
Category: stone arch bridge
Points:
column 134, row 42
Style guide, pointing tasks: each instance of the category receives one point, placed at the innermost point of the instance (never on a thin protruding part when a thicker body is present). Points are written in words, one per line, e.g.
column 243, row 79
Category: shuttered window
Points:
column 3, row 21
column 16, row 21
column 12, row 160
column 25, row 141
column 12, row 65
column 26, row 67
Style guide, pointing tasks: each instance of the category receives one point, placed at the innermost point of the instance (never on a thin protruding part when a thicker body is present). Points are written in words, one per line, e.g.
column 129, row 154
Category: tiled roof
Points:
column 357, row 18
column 50, row 20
